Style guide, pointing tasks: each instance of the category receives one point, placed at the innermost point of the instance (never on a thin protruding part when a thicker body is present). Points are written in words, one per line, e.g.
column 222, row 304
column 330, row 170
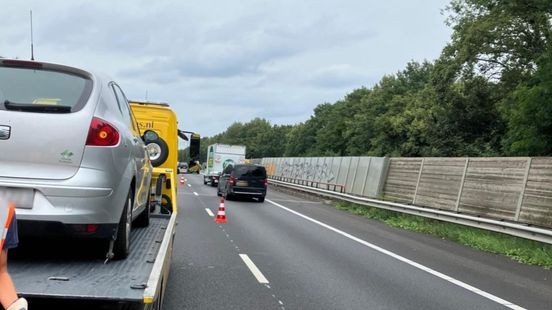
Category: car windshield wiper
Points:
column 31, row 107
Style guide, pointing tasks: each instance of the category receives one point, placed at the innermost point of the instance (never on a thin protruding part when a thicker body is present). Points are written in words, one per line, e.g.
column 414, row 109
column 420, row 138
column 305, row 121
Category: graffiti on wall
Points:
column 306, row 171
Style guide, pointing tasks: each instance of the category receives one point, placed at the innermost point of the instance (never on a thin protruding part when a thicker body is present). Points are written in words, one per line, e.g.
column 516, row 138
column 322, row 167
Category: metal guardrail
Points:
column 311, row 183
column 510, row 228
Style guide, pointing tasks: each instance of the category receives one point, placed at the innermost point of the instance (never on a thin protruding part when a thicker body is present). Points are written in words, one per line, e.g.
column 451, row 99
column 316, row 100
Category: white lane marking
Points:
column 407, row 261
column 256, row 272
column 189, row 185
column 211, row 214
column 196, row 194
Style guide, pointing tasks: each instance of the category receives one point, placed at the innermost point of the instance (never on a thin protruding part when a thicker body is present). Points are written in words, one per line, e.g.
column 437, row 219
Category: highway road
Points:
column 298, row 253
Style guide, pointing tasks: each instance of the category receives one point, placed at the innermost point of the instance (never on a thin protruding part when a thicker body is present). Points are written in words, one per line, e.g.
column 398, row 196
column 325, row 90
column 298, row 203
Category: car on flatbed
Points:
column 72, row 155
column 65, row 275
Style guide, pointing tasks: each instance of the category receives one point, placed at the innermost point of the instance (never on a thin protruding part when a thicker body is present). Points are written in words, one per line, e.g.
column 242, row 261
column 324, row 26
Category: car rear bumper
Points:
column 248, row 191
column 52, row 229
column 72, row 209
column 87, row 198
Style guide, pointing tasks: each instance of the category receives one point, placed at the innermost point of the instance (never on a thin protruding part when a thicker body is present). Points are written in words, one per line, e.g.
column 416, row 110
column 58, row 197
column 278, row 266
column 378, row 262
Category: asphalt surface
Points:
column 312, row 256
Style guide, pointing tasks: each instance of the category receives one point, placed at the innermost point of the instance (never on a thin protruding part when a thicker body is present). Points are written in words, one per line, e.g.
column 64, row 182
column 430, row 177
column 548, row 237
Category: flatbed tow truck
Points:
column 70, row 274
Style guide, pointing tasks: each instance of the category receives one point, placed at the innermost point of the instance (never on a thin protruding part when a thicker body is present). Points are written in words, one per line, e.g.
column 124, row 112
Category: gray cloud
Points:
column 219, row 61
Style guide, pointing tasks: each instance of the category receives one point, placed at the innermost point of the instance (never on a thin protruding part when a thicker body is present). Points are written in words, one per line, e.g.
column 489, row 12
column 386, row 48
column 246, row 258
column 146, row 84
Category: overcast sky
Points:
column 218, row 62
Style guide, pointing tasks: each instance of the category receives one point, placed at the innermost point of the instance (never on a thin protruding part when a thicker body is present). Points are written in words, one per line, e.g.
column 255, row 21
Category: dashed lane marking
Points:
column 211, row 214
column 253, row 268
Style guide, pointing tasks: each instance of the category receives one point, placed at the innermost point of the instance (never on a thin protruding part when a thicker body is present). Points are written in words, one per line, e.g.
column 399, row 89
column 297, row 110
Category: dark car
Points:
column 244, row 180
column 182, row 168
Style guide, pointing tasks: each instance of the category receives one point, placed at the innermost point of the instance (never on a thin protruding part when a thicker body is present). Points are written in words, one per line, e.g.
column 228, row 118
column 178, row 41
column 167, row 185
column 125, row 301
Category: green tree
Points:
column 529, row 114
column 499, row 39
column 400, row 114
column 301, row 139
column 493, row 53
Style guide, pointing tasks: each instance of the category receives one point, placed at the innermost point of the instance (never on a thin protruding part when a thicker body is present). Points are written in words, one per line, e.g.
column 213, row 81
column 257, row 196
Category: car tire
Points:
column 162, row 149
column 228, row 196
column 143, row 219
column 121, row 248
column 261, row 199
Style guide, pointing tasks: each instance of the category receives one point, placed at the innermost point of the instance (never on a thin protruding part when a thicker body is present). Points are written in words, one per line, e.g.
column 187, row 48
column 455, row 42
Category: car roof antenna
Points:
column 32, row 48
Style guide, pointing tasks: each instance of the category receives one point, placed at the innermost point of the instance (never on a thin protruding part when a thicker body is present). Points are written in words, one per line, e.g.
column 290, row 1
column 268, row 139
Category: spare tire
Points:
column 158, row 151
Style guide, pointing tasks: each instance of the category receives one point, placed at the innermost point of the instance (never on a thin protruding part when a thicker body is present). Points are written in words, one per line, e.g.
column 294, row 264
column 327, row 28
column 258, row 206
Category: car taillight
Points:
column 101, row 133
column 265, row 182
column 232, row 180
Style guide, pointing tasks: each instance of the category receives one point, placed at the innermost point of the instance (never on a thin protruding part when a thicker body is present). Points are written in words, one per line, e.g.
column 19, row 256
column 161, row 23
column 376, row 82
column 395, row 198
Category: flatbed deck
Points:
column 76, row 270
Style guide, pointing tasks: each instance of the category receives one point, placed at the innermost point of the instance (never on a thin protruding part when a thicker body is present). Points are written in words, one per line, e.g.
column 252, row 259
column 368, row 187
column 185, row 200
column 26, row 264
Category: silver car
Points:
column 71, row 155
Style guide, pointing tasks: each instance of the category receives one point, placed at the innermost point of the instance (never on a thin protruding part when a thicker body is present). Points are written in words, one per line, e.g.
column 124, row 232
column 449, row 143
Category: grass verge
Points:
column 522, row 250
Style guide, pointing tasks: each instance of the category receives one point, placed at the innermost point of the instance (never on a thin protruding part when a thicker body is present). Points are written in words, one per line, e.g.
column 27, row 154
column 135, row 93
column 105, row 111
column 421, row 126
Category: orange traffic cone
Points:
column 221, row 214
column 181, row 181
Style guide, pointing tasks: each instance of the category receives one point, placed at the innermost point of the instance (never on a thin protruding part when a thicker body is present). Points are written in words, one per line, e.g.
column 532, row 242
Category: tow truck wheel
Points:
column 159, row 151
column 121, row 248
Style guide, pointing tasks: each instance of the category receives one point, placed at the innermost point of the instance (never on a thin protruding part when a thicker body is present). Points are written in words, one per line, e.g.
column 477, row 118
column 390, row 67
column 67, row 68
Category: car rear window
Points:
column 36, row 90
column 253, row 171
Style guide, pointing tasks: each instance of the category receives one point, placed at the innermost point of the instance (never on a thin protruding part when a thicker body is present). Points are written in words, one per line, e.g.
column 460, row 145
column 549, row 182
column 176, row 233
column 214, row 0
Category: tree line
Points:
column 488, row 94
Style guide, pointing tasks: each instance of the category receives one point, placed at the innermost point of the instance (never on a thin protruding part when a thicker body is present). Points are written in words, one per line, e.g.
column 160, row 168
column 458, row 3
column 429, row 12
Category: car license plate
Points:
column 21, row 197
column 241, row 183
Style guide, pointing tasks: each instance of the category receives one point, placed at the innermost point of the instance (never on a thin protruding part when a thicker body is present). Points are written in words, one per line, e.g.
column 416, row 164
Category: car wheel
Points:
column 226, row 195
column 261, row 199
column 121, row 248
column 143, row 219
column 159, row 152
